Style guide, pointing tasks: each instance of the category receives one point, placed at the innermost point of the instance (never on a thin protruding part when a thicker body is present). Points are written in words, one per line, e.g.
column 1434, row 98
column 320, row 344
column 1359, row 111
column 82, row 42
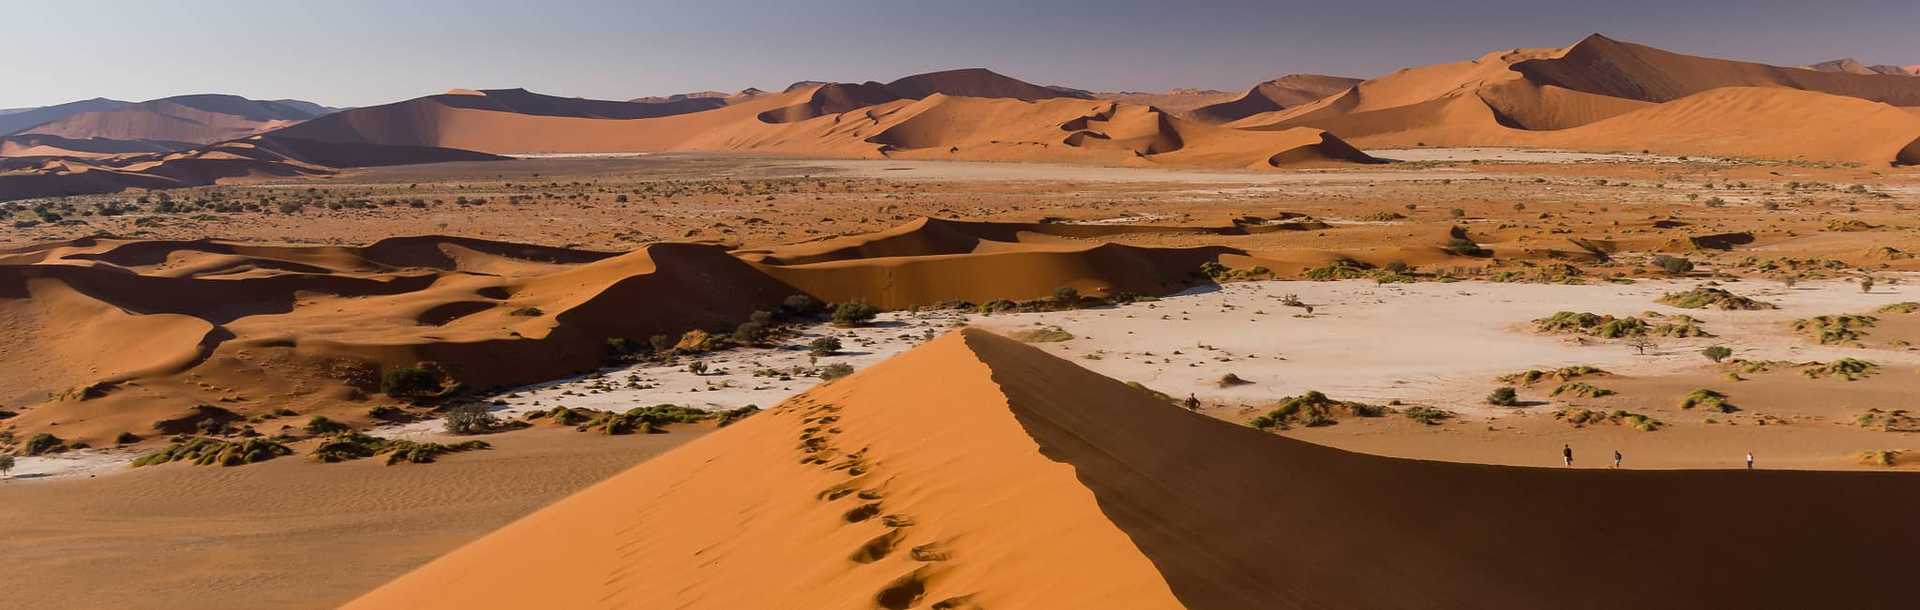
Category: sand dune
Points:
column 1278, row 94
column 21, row 118
column 1030, row 482
column 181, row 121
column 314, row 327
column 1613, row 68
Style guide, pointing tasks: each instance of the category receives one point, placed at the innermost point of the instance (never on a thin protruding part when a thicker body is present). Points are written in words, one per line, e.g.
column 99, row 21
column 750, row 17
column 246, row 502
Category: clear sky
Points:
column 363, row 52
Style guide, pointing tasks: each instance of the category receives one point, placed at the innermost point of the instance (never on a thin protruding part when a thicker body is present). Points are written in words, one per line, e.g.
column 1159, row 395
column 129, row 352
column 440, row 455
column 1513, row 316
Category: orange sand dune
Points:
column 1278, row 94
column 178, row 122
column 1613, row 68
column 315, row 327
column 1028, row 482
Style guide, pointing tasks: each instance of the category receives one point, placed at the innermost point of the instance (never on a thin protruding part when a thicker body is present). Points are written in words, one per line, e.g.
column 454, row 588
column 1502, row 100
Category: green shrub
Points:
column 1050, row 334
column 1066, row 296
column 1427, row 415
column 1673, row 265
column 1716, row 353
column 470, row 418
column 1313, row 409
column 126, row 438
column 1850, row 369
column 203, row 451
column 1835, row 329
column 321, row 424
column 854, row 313
column 801, row 306
column 824, row 346
column 44, row 442
column 1530, row 377
column 1707, row 399
column 835, row 371
column 1504, row 396
column 1581, row 389
column 1703, row 297
column 410, row 382
column 1338, row 270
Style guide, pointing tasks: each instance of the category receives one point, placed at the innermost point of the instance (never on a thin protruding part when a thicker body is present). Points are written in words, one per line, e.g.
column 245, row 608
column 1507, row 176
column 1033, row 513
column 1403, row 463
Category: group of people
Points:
column 1566, row 453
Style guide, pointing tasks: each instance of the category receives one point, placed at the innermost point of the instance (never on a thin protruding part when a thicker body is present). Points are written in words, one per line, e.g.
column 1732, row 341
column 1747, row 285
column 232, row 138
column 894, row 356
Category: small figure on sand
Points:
column 1616, row 458
column 1193, row 403
column 1749, row 460
column 1566, row 453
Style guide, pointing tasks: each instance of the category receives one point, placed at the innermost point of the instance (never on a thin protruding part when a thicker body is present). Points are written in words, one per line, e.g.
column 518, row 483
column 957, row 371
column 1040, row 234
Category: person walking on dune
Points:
column 1566, row 453
column 1749, row 460
column 1616, row 458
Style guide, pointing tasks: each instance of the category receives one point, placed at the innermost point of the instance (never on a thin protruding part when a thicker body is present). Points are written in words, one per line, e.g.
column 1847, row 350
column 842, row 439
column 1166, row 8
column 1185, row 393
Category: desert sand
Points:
column 882, row 494
column 496, row 348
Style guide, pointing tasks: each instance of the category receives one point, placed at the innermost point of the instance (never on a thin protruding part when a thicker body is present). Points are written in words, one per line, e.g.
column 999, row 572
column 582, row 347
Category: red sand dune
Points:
column 180, row 122
column 309, row 327
column 1029, row 482
column 1278, row 94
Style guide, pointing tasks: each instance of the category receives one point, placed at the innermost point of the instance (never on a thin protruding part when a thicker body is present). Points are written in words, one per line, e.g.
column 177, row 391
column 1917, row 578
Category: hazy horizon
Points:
column 359, row 53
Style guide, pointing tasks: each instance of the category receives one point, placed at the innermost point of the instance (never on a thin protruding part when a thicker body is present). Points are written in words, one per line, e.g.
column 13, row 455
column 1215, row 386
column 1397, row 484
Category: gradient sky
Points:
column 364, row 52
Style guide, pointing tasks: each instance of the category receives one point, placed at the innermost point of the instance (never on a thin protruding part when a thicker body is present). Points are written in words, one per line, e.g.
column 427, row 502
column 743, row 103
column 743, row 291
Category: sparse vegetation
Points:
column 410, row 382
column 854, row 313
column 355, row 445
column 824, row 346
column 1581, row 418
column 1884, row 457
column 1842, row 329
column 1707, row 399
column 1703, row 297
column 43, row 443
column 1897, row 420
column 1609, row 327
column 1504, row 396
column 1581, row 389
column 1313, row 409
column 1427, row 415
column 1229, row 380
column 1716, row 353
column 1050, row 334
column 471, row 418
column 204, row 451
column 1850, row 369
column 835, row 371
column 322, row 425
column 1673, row 265
column 1562, row 374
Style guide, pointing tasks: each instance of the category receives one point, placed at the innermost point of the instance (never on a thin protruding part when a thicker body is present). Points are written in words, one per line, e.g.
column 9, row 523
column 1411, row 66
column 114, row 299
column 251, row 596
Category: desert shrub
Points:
column 1229, row 380
column 1461, row 246
column 1897, row 420
column 697, row 367
column 660, row 343
column 126, row 438
column 1313, row 409
column 1901, row 307
column 1850, row 369
column 750, row 332
column 1427, row 415
column 1673, row 265
column 389, row 413
column 321, row 424
column 824, row 346
column 1050, row 334
column 1530, row 377
column 347, row 446
column 1582, row 417
column 1717, row 353
column 854, row 313
column 1581, row 389
column 1835, row 329
column 44, row 442
column 1609, row 327
column 1707, row 399
column 1699, row 298
column 416, row 452
column 1866, row 284
column 835, row 371
column 1338, row 270
column 203, row 451
column 1066, row 296
column 6, row 463
column 733, row 415
column 801, row 306
column 410, row 382
column 1504, row 396
column 470, row 418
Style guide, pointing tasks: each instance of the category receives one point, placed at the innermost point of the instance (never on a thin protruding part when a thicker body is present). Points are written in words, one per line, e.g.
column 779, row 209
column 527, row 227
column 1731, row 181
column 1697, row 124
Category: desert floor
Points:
column 292, row 534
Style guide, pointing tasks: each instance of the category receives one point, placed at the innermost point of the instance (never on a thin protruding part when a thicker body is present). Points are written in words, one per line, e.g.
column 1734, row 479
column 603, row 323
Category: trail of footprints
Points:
column 817, row 448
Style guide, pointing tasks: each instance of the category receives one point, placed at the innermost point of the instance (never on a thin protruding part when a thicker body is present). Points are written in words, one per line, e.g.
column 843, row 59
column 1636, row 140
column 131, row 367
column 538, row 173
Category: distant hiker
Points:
column 1616, row 458
column 1566, row 453
column 1749, row 460
column 1193, row 403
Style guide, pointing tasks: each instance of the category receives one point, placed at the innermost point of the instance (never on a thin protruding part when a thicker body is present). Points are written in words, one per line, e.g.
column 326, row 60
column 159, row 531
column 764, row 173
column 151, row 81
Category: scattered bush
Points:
column 126, row 438
column 43, row 443
column 1582, row 417
column 1427, row 415
column 1504, row 396
column 1880, row 458
column 1850, row 369
column 1530, row 377
column 1673, row 265
column 1581, row 389
column 1717, row 353
column 801, row 306
column 1836, row 329
column 1707, row 399
column 1313, row 409
column 1338, row 270
column 1704, row 297
column 1066, row 296
column 824, row 346
column 354, row 445
column 854, row 313
column 835, row 371
column 203, row 451
column 1898, row 420
column 407, row 382
column 322, row 425
column 470, row 418
column 1050, row 334
column 1229, row 380
column 6, row 463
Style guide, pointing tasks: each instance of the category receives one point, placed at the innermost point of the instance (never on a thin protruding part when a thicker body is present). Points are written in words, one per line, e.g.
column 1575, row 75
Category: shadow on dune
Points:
column 1236, row 518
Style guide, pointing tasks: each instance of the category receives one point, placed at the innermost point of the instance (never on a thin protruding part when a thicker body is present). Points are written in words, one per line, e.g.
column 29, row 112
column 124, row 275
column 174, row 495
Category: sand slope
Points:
column 256, row 327
column 1030, row 482
column 1277, row 94
column 181, row 121
column 21, row 118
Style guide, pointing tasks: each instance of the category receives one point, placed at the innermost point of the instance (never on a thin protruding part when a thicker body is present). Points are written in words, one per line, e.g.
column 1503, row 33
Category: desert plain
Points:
column 961, row 341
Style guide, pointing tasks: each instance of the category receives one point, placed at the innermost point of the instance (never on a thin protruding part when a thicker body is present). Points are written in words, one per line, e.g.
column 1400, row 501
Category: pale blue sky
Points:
column 362, row 52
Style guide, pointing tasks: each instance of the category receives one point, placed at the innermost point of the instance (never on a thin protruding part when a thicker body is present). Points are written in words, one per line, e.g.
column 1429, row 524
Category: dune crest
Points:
column 1028, row 481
